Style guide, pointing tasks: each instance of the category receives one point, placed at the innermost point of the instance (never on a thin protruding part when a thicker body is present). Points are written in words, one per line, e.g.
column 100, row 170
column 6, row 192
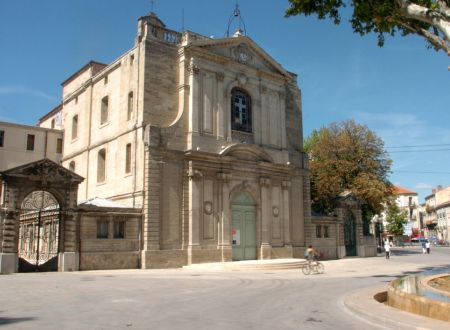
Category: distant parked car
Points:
column 418, row 240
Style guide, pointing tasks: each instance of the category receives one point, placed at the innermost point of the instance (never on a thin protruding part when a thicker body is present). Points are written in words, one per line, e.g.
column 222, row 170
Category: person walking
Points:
column 387, row 249
column 424, row 249
column 427, row 246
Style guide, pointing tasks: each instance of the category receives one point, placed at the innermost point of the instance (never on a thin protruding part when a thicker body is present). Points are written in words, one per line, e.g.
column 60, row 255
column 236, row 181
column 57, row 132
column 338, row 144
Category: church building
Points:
column 203, row 134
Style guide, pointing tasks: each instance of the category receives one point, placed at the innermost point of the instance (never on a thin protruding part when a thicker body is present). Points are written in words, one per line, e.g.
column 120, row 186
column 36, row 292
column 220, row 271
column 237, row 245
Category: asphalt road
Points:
column 182, row 299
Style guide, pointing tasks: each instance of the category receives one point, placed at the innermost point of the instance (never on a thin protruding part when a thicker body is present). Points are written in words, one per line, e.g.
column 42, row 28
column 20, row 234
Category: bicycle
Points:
column 313, row 266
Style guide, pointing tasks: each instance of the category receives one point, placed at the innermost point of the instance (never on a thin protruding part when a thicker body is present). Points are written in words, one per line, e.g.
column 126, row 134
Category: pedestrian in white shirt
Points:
column 387, row 248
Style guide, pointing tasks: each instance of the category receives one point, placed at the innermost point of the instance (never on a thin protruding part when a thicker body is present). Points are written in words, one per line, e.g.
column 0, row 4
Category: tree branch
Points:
column 444, row 8
column 426, row 15
column 437, row 42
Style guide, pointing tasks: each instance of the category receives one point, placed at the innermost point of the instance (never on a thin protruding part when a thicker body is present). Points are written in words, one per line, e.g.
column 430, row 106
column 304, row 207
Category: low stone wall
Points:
column 109, row 260
column 417, row 304
column 164, row 259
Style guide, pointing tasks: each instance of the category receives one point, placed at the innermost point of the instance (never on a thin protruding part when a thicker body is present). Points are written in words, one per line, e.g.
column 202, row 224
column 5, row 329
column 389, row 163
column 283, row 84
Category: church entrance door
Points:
column 244, row 227
column 350, row 235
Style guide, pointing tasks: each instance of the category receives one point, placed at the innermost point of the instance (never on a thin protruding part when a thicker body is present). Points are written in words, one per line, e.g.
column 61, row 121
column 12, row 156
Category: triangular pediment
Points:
column 243, row 50
column 40, row 170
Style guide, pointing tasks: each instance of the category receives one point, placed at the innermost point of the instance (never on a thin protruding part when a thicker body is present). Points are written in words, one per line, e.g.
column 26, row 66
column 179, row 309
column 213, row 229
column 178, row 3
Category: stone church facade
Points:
column 203, row 136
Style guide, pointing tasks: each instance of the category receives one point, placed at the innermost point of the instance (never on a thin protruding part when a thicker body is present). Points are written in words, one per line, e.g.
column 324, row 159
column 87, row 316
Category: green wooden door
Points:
column 244, row 233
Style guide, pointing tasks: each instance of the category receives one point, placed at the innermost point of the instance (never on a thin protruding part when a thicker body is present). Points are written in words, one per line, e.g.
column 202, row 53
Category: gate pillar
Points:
column 68, row 260
column 9, row 260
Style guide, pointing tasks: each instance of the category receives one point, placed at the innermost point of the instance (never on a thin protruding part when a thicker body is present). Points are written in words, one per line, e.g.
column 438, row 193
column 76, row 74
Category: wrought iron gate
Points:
column 39, row 233
column 350, row 234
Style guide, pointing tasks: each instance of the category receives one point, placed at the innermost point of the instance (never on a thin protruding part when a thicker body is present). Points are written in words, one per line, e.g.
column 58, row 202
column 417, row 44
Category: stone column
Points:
column 195, row 181
column 285, row 186
column 266, row 219
column 9, row 261
column 225, row 217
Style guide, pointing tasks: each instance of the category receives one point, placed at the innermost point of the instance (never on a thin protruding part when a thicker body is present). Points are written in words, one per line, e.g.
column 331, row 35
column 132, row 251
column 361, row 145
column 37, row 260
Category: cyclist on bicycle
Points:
column 311, row 254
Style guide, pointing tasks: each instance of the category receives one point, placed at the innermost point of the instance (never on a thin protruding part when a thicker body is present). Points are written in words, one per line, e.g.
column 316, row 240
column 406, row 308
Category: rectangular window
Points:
column 30, row 142
column 326, row 233
column 59, row 146
column 53, row 123
column 74, row 127
column 119, row 229
column 131, row 59
column 128, row 158
column 2, row 139
column 104, row 110
column 318, row 231
column 102, row 229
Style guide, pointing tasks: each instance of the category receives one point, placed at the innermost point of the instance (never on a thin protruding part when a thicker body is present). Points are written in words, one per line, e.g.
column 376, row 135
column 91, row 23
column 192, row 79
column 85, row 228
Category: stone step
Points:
column 272, row 264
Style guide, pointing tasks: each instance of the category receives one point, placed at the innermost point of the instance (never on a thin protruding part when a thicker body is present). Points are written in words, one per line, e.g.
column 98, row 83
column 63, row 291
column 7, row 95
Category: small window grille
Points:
column 318, row 231
column 119, row 229
column 102, row 229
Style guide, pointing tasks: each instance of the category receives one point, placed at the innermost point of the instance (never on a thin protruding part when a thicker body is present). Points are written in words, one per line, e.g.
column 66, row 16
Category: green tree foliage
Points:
column 347, row 156
column 429, row 19
column 396, row 219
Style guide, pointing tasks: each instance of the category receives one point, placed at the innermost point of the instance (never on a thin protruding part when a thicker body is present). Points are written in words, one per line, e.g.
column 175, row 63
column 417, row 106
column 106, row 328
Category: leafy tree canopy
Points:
column 429, row 19
column 396, row 219
column 347, row 156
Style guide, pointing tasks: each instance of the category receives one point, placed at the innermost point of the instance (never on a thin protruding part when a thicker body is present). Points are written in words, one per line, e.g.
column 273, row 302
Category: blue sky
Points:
column 401, row 91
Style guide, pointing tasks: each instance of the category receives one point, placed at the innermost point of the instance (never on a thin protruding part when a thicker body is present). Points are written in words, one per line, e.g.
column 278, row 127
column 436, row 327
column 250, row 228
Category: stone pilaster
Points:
column 221, row 113
column 194, row 118
column 307, row 210
column 282, row 96
column 225, row 216
column 266, row 218
column 285, row 186
column 195, row 200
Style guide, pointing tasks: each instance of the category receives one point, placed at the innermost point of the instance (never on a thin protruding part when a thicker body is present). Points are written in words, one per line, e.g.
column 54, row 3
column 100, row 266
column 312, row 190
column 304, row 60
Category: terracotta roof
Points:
column 96, row 67
column 403, row 191
column 51, row 113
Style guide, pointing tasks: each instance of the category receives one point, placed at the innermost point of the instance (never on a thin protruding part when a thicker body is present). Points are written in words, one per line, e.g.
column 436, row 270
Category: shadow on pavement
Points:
column 10, row 320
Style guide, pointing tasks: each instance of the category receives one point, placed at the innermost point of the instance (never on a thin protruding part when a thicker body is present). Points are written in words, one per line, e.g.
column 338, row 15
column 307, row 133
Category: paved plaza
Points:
column 207, row 299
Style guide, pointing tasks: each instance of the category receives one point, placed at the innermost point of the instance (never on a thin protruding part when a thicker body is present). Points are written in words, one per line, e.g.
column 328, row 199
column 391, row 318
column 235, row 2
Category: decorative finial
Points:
column 237, row 16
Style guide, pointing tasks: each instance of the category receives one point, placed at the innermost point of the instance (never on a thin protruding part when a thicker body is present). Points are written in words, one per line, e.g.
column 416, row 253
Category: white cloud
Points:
column 7, row 90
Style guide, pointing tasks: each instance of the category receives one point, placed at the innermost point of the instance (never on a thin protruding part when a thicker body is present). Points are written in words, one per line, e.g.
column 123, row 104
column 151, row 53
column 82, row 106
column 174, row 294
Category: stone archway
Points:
column 60, row 183
column 243, row 214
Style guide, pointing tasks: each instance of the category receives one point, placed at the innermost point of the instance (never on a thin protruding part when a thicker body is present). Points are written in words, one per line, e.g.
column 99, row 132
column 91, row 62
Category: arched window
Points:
column 128, row 158
column 241, row 111
column 101, row 165
column 104, row 110
column 74, row 127
column 130, row 105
